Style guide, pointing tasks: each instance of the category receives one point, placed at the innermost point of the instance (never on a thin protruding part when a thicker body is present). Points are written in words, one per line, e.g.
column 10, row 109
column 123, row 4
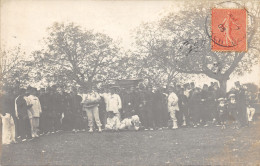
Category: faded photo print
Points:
column 140, row 83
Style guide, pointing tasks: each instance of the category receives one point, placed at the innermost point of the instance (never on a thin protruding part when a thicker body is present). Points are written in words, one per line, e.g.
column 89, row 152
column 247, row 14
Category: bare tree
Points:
column 190, row 46
column 152, row 54
column 14, row 69
column 76, row 56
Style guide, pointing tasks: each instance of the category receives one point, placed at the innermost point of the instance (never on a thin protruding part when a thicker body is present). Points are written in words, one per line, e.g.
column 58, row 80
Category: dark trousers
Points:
column 195, row 114
column 182, row 113
column 44, row 125
column 142, row 115
column 149, row 117
column 24, row 128
column 103, row 117
column 158, row 118
column 242, row 116
column 165, row 115
column 78, row 121
column 204, row 112
column 158, row 115
column 55, row 122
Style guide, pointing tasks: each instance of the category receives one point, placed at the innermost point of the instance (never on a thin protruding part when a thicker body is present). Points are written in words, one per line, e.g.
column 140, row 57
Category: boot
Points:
column 184, row 123
column 175, row 126
column 99, row 129
column 90, row 129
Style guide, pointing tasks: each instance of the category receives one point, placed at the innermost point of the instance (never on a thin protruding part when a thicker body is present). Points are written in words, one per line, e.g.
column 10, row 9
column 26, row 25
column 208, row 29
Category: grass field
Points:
column 186, row 146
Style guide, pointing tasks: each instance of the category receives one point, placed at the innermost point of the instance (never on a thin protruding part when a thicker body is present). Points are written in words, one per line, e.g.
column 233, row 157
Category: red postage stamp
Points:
column 228, row 30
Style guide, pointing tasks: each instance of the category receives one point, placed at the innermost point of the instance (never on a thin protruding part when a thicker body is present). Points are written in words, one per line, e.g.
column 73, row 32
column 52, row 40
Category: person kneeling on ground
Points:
column 113, row 122
column 131, row 123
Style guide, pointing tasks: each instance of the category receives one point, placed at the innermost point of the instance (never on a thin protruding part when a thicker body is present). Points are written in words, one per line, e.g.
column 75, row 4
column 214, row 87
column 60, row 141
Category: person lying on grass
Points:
column 131, row 123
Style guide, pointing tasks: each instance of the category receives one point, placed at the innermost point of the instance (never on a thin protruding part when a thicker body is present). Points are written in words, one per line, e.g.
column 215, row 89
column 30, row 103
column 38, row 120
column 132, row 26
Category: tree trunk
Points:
column 223, row 85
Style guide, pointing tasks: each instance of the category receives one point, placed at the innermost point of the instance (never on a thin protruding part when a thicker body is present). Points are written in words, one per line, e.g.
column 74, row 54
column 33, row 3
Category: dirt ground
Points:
column 184, row 146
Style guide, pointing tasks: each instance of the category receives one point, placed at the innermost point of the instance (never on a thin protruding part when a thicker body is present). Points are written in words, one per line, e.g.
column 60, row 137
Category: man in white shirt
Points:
column 106, row 95
column 114, row 102
column 173, row 106
column 34, row 111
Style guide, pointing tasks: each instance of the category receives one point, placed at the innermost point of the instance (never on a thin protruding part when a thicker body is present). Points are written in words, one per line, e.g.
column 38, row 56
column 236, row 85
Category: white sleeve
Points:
column 39, row 105
column 119, row 102
column 15, row 107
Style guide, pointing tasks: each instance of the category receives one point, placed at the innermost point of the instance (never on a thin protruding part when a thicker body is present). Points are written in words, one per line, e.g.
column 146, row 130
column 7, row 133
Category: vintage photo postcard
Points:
column 138, row 82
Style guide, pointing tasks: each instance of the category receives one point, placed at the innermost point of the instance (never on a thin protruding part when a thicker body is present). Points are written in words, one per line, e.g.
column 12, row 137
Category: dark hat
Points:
column 22, row 91
column 29, row 87
column 185, row 85
column 54, row 87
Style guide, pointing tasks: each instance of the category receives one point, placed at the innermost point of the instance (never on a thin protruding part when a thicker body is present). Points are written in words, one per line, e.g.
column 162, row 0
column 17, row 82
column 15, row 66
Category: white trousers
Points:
column 92, row 113
column 250, row 113
column 173, row 118
column 34, row 122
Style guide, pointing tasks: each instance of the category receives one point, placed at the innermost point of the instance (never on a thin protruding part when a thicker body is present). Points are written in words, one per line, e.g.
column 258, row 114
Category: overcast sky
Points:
column 25, row 21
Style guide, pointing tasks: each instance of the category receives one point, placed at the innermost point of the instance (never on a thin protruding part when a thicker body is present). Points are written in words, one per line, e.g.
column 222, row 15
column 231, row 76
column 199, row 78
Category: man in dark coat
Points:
column 128, row 104
column 183, row 105
column 194, row 104
column 158, row 101
column 150, row 109
column 76, row 119
column 241, row 100
column 140, row 102
column 24, row 128
column 204, row 109
column 44, row 117
column 62, row 110
column 54, row 106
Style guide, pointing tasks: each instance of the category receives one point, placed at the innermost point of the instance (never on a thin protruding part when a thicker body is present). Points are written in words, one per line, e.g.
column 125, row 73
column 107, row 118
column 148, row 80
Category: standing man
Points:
column 204, row 106
column 34, row 111
column 75, row 118
column 24, row 129
column 183, row 105
column 150, row 107
column 44, row 116
column 128, row 104
column 241, row 101
column 173, row 106
column 90, row 104
column 115, row 103
column 103, row 107
column 158, row 108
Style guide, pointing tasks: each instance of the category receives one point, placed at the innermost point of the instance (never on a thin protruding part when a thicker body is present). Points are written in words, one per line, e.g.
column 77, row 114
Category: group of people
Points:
column 31, row 112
